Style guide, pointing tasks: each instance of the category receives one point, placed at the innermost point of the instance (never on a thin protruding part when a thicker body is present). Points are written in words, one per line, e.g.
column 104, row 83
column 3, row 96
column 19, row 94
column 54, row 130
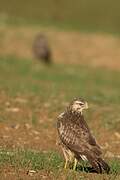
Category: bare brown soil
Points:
column 12, row 174
column 92, row 49
column 42, row 134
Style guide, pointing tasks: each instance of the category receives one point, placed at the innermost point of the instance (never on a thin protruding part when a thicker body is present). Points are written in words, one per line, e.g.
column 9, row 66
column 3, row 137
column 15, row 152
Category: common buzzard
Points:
column 76, row 140
column 41, row 49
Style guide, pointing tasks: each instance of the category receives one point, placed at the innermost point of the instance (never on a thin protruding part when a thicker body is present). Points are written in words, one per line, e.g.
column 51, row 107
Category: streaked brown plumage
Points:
column 41, row 49
column 76, row 139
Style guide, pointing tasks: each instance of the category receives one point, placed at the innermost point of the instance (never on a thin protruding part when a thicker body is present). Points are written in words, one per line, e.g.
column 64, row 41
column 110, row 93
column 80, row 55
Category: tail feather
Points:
column 96, row 166
column 103, row 165
column 99, row 164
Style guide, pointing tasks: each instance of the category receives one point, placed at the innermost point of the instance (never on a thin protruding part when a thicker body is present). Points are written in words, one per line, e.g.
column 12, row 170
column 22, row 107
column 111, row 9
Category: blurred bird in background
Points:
column 41, row 49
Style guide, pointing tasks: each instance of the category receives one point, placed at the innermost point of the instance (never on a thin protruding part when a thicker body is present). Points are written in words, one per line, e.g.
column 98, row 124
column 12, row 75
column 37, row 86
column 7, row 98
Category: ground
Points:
column 94, row 49
column 33, row 95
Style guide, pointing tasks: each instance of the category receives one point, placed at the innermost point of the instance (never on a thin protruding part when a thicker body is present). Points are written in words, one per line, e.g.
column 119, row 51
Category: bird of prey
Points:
column 41, row 48
column 76, row 139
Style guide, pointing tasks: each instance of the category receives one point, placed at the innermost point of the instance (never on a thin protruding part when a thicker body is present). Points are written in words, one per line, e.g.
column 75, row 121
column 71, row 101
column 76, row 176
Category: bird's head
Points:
column 77, row 105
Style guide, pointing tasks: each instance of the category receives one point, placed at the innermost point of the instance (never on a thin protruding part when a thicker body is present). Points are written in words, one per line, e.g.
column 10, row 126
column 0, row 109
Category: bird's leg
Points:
column 66, row 162
column 66, row 158
column 75, row 164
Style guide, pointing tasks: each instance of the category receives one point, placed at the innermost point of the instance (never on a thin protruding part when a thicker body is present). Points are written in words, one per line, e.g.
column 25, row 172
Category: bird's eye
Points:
column 81, row 104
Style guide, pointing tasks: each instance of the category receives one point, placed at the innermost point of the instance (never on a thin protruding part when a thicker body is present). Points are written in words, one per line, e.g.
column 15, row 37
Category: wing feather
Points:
column 77, row 138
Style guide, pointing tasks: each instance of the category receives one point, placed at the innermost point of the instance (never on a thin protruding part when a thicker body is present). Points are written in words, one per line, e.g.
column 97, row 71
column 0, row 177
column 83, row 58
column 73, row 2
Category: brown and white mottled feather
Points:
column 75, row 135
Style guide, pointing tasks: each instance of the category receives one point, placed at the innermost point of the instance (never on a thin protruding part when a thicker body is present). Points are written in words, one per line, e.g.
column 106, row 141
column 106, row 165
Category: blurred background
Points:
column 87, row 15
column 50, row 52
column 67, row 25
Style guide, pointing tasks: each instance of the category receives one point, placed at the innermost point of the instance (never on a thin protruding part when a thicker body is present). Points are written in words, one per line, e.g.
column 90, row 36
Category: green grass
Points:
column 56, row 85
column 98, row 85
column 49, row 161
column 61, row 83
column 31, row 160
column 84, row 15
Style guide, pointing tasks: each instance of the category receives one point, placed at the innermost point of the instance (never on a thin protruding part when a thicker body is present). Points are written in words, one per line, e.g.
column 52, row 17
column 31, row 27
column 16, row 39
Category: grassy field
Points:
column 31, row 97
column 51, row 164
column 84, row 15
